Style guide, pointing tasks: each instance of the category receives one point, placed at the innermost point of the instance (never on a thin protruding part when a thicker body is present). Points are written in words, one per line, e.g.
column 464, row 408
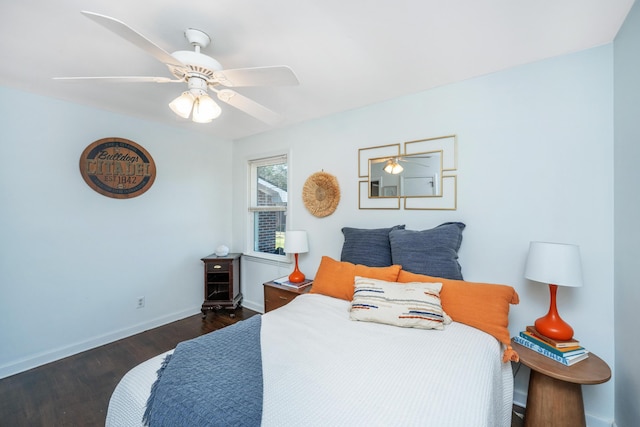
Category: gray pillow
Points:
column 368, row 247
column 432, row 252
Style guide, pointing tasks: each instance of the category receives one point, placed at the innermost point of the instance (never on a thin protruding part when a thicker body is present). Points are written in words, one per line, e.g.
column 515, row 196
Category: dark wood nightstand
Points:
column 275, row 295
column 555, row 390
column 221, row 283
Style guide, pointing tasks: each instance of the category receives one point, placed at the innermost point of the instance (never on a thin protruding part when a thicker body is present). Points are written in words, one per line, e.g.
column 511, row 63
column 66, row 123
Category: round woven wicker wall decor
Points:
column 321, row 194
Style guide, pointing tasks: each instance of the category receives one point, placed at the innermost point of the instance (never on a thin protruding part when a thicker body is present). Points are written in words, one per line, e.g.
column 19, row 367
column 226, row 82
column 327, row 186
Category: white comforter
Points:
column 322, row 369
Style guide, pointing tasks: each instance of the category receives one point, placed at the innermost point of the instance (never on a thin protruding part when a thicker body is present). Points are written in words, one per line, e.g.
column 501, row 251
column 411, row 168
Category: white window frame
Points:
column 252, row 165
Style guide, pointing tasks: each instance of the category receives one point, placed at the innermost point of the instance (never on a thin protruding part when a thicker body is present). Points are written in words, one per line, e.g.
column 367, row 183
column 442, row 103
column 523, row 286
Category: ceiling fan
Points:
column 201, row 73
column 393, row 166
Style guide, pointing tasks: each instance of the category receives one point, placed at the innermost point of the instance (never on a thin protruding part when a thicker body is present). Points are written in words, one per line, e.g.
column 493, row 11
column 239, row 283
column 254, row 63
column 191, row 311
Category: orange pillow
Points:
column 336, row 278
column 481, row 305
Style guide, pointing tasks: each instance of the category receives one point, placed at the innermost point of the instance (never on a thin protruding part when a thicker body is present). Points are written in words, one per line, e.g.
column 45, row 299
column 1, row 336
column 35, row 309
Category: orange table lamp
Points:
column 296, row 242
column 557, row 264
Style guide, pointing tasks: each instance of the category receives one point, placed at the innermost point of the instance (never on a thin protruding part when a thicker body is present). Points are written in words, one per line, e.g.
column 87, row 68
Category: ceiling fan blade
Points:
column 128, row 33
column 278, row 75
column 121, row 79
column 249, row 106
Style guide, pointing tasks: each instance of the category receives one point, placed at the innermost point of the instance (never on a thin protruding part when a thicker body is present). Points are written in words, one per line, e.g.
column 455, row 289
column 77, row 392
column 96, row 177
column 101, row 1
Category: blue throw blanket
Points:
column 212, row 380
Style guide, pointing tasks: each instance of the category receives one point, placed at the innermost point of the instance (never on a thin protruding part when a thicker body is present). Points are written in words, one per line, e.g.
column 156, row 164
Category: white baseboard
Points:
column 42, row 358
column 520, row 398
column 251, row 305
column 599, row 422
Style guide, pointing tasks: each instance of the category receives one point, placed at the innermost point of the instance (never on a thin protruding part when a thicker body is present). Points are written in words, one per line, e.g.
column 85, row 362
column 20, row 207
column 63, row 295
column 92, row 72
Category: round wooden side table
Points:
column 555, row 390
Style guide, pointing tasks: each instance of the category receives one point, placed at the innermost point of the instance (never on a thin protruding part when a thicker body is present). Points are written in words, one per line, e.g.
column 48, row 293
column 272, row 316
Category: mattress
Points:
column 320, row 368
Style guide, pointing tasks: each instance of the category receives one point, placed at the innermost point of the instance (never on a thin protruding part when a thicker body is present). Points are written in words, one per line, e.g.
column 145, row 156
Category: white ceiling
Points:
column 346, row 54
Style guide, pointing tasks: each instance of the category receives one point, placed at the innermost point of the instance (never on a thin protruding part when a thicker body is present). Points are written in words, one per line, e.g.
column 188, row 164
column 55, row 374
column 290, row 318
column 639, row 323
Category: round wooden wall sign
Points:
column 117, row 168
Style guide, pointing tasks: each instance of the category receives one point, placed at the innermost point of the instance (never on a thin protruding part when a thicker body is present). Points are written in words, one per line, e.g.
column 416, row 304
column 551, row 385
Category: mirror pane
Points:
column 414, row 175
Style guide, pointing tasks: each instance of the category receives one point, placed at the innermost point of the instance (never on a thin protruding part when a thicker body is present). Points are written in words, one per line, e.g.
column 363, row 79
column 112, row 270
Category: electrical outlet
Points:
column 140, row 302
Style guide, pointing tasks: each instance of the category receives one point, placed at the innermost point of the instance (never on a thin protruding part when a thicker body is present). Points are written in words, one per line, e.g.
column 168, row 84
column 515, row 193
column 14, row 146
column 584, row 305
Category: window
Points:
column 268, row 206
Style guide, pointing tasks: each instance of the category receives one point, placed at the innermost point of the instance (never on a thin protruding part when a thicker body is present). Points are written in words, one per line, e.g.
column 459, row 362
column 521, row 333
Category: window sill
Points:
column 268, row 258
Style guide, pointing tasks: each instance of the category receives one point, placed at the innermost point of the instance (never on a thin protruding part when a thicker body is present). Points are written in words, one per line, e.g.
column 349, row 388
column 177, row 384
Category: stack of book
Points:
column 566, row 352
column 284, row 281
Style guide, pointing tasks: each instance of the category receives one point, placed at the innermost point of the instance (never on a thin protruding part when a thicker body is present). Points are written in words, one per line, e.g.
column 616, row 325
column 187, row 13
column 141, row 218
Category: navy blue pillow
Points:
column 368, row 247
column 432, row 252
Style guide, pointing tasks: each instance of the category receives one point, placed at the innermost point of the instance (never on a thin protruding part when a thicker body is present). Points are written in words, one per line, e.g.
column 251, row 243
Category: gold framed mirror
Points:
column 423, row 176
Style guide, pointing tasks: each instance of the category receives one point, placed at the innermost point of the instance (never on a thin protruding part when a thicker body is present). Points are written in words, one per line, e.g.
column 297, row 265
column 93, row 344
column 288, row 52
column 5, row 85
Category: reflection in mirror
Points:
column 414, row 175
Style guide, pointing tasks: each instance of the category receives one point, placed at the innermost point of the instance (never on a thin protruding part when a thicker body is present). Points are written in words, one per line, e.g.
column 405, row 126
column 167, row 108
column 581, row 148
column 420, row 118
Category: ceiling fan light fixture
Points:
column 182, row 105
column 201, row 73
column 205, row 109
column 393, row 167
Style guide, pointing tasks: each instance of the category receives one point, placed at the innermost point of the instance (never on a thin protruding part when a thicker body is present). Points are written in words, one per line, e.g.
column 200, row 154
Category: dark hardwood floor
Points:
column 75, row 391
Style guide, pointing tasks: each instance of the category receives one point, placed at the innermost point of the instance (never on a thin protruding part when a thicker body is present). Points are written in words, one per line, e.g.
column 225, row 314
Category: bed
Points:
column 326, row 361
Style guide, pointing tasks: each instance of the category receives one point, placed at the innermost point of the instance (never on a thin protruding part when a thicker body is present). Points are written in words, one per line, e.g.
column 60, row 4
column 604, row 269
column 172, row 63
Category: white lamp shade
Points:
column 205, row 109
column 182, row 105
column 295, row 242
column 554, row 263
